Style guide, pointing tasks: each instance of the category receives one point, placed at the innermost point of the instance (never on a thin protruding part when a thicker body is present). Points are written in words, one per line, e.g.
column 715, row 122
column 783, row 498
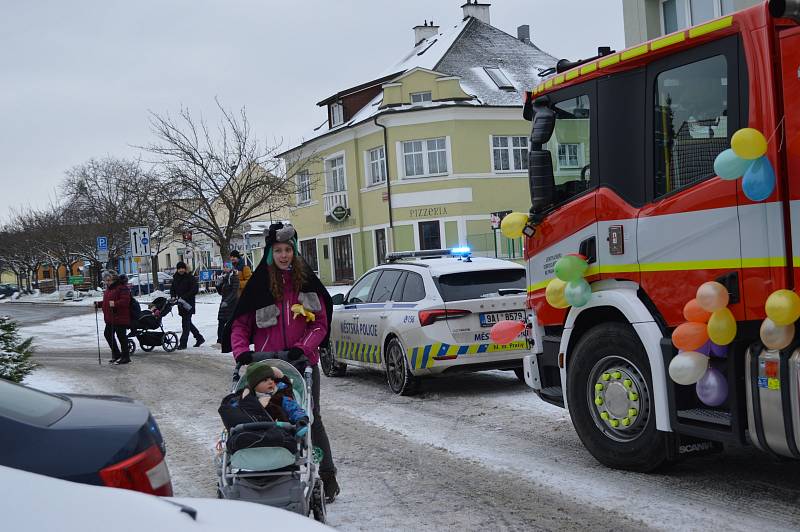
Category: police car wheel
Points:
column 330, row 367
column 398, row 375
column 609, row 390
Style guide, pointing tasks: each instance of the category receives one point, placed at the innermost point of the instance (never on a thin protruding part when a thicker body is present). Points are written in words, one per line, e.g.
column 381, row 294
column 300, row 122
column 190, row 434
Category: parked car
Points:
column 93, row 439
column 8, row 289
column 143, row 283
column 428, row 313
column 36, row 502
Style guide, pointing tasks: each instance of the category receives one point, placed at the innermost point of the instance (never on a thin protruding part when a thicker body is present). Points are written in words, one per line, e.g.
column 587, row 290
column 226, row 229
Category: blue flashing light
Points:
column 461, row 251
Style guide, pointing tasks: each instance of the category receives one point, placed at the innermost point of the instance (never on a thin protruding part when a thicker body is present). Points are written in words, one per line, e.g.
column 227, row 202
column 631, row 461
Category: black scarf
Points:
column 257, row 294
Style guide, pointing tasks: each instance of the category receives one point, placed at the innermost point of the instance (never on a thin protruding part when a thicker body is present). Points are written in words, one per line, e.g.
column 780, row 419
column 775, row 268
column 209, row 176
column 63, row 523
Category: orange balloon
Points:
column 690, row 336
column 692, row 311
column 504, row 332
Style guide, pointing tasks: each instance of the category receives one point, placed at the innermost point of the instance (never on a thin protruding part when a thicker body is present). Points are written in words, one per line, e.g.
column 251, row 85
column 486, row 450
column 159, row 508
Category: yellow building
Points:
column 420, row 156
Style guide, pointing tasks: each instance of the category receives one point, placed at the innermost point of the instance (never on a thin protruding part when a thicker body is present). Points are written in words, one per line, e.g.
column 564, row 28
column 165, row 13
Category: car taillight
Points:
column 146, row 472
column 426, row 317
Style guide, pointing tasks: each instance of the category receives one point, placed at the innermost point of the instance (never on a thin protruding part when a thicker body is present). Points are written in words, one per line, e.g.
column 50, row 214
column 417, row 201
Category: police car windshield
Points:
column 478, row 284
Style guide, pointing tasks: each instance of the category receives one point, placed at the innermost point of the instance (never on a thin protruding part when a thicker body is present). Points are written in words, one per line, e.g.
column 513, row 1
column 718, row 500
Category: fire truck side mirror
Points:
column 540, row 162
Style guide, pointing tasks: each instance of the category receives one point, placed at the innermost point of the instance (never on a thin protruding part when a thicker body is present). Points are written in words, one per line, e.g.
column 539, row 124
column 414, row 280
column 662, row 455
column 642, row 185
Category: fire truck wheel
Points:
column 610, row 399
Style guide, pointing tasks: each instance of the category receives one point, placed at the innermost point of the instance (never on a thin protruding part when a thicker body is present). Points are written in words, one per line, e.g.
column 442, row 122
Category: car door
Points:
column 373, row 319
column 345, row 337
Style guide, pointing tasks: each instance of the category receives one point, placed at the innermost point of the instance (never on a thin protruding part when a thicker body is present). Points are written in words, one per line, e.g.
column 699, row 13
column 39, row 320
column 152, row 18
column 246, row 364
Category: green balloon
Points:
column 571, row 268
column 578, row 293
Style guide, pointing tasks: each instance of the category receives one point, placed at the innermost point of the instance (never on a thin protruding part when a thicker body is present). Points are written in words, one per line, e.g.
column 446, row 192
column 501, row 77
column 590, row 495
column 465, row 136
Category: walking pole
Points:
column 97, row 326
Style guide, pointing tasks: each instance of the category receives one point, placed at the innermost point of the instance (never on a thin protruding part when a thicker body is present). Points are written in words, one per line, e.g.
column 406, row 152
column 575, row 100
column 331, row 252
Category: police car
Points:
column 427, row 313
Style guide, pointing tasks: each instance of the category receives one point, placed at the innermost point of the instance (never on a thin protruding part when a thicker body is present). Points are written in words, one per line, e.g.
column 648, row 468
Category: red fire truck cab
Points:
column 621, row 170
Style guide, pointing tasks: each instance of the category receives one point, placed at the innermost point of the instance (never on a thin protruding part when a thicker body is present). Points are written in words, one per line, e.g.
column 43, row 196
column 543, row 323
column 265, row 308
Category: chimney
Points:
column 479, row 11
column 424, row 32
column 524, row 33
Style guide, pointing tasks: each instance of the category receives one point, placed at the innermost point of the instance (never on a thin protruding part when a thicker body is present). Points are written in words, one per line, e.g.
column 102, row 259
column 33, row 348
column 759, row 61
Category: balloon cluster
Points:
column 569, row 288
column 783, row 309
column 513, row 223
column 709, row 328
column 746, row 158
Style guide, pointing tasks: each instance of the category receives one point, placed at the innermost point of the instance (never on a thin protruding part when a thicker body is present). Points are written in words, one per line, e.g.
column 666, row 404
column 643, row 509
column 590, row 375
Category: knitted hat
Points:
column 258, row 372
column 280, row 234
column 180, row 265
column 235, row 253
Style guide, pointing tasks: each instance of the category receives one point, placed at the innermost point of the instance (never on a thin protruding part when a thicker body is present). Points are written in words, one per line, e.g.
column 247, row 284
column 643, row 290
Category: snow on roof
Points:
column 428, row 52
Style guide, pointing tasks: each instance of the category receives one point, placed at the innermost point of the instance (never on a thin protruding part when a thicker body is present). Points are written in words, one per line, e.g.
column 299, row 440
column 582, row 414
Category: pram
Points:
column 273, row 475
column 148, row 328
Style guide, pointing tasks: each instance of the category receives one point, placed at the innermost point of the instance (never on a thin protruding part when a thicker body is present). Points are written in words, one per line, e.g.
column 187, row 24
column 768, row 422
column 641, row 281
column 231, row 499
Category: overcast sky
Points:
column 78, row 77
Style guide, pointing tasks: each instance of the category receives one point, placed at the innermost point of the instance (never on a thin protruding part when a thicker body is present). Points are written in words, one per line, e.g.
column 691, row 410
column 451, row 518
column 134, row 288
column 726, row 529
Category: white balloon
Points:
column 688, row 367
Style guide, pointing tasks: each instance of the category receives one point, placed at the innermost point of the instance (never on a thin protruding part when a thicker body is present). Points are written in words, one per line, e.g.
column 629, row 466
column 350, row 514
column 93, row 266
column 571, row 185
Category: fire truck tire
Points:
column 609, row 391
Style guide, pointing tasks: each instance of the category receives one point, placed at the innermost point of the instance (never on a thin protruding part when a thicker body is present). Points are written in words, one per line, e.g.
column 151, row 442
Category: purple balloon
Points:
column 706, row 348
column 712, row 388
column 719, row 351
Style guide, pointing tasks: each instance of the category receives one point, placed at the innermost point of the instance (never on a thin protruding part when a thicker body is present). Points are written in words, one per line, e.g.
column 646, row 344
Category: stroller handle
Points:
column 299, row 363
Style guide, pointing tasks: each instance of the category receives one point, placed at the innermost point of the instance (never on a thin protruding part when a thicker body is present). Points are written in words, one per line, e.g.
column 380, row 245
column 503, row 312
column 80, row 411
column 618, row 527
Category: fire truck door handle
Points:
column 588, row 249
column 731, row 281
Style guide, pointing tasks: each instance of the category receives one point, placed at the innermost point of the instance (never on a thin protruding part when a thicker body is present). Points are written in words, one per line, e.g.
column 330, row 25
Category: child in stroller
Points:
column 148, row 328
column 265, row 453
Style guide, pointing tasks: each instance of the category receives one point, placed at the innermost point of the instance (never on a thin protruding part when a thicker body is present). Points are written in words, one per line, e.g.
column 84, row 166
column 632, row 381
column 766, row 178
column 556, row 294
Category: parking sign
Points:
column 102, row 243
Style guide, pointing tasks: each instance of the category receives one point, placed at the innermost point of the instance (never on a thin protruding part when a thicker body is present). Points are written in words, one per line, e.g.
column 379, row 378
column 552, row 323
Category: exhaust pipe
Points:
column 785, row 9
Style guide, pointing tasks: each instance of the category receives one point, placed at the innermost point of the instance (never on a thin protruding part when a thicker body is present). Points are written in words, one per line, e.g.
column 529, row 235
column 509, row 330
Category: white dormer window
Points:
column 500, row 79
column 421, row 97
column 337, row 114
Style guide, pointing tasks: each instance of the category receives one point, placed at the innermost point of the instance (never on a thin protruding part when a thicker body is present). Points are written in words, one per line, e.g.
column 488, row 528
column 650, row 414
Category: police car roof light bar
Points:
column 428, row 253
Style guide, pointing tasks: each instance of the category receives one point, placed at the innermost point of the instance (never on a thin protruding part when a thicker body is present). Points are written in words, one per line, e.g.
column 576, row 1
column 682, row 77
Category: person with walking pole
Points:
column 116, row 314
column 184, row 289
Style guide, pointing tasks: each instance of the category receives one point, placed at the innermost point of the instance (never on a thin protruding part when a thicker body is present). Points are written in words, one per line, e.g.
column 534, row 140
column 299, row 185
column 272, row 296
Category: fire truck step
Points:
column 706, row 415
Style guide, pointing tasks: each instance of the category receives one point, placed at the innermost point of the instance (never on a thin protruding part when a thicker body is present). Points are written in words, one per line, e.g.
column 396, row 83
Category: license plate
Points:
column 490, row 318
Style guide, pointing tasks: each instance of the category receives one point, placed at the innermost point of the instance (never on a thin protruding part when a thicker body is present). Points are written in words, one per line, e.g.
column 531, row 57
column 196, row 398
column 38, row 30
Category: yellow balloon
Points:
column 722, row 327
column 749, row 143
column 513, row 224
column 783, row 307
column 554, row 293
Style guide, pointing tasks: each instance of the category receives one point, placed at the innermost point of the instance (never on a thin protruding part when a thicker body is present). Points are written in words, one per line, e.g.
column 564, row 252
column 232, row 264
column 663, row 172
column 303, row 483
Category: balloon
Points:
column 712, row 388
column 578, row 292
column 688, row 367
column 712, row 296
column 722, row 327
column 693, row 312
column 749, row 143
column 728, row 165
column 571, row 268
column 690, row 336
column 554, row 294
column 504, row 332
column 776, row 336
column 759, row 180
column 513, row 224
column 719, row 351
column 783, row 307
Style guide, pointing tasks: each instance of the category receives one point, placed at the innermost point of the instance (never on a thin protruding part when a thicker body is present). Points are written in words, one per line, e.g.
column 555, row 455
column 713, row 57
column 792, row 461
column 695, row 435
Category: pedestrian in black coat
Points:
column 184, row 288
column 228, row 288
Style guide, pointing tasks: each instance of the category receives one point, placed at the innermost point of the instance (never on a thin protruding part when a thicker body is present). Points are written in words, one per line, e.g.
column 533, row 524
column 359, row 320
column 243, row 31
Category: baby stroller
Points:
column 149, row 329
column 273, row 475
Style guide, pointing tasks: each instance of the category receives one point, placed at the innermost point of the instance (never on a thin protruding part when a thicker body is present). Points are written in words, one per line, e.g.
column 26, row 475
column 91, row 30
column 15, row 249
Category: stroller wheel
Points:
column 131, row 347
column 318, row 503
column 146, row 348
column 170, row 342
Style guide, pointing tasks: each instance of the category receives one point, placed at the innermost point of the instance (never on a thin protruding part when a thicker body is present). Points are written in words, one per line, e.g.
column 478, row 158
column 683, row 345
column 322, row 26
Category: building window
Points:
column 334, row 174
column 337, row 114
column 342, row 259
column 509, row 153
column 425, row 157
column 303, row 187
column 691, row 122
column 380, row 246
column 429, row 236
column 679, row 14
column 500, row 79
column 308, row 249
column 377, row 166
column 421, row 97
column 569, row 156
column 169, row 260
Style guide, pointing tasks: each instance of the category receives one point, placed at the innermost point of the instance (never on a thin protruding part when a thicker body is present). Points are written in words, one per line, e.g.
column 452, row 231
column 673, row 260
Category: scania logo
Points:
column 694, row 447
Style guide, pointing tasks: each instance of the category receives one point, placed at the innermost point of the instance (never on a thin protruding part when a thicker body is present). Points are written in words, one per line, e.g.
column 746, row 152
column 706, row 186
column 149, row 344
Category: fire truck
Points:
column 621, row 171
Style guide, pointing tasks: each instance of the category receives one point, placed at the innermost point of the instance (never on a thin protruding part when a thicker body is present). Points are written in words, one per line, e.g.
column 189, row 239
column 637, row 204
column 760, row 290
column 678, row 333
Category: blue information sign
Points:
column 102, row 243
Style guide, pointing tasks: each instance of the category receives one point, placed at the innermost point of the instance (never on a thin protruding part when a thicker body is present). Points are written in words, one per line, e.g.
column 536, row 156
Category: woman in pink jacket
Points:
column 285, row 307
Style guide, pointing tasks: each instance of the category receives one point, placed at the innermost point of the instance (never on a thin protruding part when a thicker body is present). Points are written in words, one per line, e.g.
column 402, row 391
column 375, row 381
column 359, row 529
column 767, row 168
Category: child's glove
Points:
column 302, row 428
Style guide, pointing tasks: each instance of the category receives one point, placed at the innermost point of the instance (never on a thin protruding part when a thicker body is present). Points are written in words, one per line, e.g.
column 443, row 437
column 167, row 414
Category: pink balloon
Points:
column 504, row 332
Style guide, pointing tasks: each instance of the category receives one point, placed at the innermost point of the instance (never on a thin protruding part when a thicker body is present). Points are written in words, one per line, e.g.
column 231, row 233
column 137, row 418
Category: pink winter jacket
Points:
column 288, row 332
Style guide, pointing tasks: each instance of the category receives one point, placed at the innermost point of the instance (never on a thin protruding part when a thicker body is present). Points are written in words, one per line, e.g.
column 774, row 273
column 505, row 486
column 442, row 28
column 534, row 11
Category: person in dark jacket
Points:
column 184, row 289
column 228, row 288
column 116, row 314
column 240, row 265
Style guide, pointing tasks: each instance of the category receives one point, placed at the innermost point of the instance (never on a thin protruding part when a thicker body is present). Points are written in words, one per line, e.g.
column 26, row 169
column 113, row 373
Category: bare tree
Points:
column 219, row 180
